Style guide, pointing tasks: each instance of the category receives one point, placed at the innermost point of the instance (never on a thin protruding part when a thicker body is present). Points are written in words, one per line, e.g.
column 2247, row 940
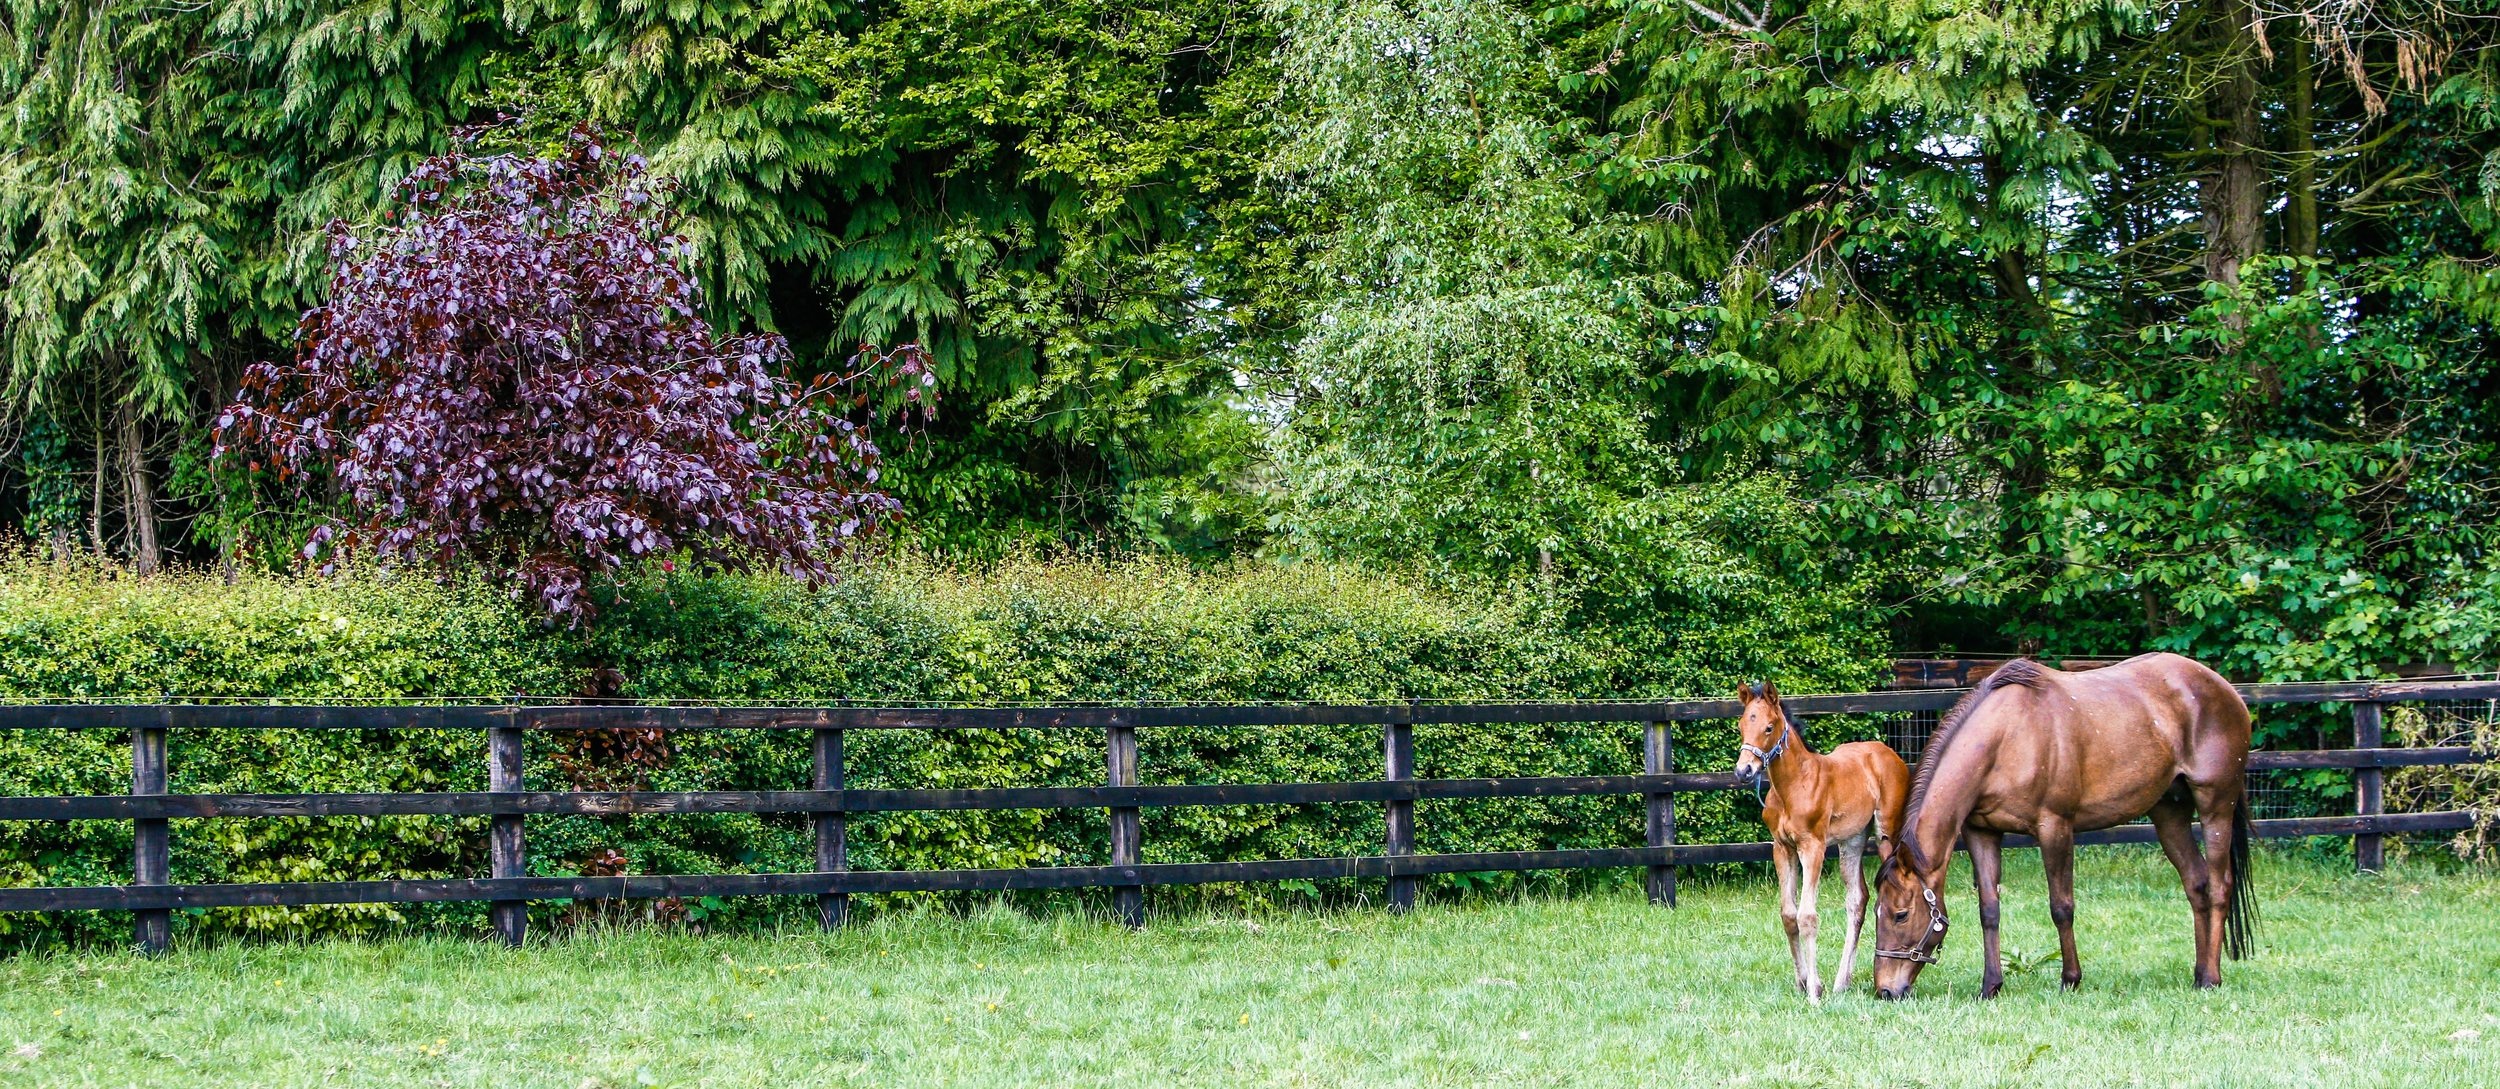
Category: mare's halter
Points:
column 1935, row 925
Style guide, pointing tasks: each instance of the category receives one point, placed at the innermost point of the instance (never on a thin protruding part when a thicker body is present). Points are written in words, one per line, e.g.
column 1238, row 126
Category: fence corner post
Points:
column 504, row 844
column 1397, row 749
column 151, row 848
column 1127, row 834
column 1658, row 758
column 2369, row 851
column 833, row 847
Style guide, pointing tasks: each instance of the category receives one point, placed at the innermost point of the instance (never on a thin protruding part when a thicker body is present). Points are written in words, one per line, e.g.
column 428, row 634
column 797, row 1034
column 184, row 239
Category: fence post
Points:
column 1120, row 761
column 1658, row 758
column 151, row 852
column 2369, row 800
column 1397, row 744
column 833, row 850
column 503, row 773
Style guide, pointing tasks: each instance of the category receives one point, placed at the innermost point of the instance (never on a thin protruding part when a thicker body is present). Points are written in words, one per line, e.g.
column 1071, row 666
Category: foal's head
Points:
column 1764, row 730
column 1909, row 922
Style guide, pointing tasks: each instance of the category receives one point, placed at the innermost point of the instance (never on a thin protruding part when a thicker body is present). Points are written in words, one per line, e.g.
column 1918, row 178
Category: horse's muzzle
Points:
column 1892, row 994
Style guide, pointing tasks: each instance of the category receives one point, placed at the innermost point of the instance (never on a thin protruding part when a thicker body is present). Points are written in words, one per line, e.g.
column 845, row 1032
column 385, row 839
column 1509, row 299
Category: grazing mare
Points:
column 1809, row 801
column 2050, row 753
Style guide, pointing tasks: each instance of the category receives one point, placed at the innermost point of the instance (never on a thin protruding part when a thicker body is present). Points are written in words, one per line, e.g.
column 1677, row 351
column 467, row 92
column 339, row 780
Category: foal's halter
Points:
column 1935, row 925
column 1778, row 746
column 1762, row 786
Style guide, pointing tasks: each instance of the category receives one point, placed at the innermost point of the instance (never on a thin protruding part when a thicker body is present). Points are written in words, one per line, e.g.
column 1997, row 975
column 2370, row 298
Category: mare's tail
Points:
column 2239, row 919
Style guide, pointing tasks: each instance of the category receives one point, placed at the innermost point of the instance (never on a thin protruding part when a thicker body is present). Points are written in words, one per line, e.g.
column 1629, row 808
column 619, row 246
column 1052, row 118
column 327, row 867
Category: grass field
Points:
column 2360, row 981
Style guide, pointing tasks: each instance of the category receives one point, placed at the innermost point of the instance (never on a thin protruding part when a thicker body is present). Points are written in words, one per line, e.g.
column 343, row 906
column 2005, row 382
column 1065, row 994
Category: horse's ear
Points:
column 1744, row 694
column 1771, row 691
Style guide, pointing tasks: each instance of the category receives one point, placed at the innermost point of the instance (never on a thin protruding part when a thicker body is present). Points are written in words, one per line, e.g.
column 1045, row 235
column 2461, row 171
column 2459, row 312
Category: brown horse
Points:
column 1809, row 801
column 2049, row 753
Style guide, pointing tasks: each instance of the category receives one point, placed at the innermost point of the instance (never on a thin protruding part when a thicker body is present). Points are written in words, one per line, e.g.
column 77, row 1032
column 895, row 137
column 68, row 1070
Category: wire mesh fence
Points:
column 1907, row 732
column 2470, row 788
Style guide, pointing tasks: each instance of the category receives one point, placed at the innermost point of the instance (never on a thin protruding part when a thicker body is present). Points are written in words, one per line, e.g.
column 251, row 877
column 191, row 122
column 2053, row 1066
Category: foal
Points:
column 1811, row 801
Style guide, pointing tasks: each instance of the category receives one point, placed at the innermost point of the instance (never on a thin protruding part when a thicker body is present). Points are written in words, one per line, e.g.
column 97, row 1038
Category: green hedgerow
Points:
column 902, row 630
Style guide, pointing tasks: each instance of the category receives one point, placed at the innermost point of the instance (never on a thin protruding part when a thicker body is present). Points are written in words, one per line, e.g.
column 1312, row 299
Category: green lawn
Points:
column 2385, row 981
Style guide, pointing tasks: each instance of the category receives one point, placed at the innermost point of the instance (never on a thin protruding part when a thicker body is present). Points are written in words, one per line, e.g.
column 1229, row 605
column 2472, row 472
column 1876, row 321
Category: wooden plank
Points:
column 2366, row 758
column 88, row 716
column 1658, row 759
column 1397, row 744
column 622, row 803
column 2306, row 692
column 647, row 886
column 151, row 860
column 1965, row 672
column 2416, row 691
column 1127, row 835
column 2368, row 850
column 132, row 897
column 2293, row 827
column 504, row 843
column 833, row 854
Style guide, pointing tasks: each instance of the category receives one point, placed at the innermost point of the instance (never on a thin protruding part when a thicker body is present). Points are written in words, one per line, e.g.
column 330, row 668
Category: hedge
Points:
column 903, row 630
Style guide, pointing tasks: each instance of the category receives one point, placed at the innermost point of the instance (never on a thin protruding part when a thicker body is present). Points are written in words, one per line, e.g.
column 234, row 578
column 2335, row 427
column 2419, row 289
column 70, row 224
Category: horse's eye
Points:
column 1901, row 916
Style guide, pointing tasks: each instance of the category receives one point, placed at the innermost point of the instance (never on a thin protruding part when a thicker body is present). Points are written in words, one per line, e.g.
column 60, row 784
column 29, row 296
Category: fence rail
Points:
column 152, row 898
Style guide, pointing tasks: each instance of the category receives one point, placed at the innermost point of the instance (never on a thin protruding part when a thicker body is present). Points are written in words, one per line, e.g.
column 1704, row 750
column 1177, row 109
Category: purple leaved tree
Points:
column 514, row 372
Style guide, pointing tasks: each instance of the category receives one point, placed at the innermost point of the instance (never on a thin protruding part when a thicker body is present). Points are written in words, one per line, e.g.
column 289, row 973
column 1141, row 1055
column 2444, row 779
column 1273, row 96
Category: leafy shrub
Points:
column 903, row 630
column 515, row 374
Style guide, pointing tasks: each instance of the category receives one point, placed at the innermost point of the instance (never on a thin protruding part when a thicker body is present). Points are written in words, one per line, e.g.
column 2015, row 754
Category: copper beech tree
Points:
column 513, row 371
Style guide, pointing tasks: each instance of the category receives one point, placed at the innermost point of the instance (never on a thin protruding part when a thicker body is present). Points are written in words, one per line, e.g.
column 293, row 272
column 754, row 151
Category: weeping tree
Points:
column 1471, row 389
column 1459, row 381
column 514, row 372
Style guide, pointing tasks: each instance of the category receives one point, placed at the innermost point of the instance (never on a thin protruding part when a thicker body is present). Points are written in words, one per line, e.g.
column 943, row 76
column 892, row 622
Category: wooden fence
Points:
column 508, row 802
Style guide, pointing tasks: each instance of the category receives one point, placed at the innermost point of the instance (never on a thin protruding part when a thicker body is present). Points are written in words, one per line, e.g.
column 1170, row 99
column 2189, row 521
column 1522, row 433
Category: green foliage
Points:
column 1473, row 395
column 77, row 632
column 1036, row 193
column 1029, row 191
column 1973, row 287
column 902, row 631
column 52, row 493
column 1466, row 391
column 1712, row 336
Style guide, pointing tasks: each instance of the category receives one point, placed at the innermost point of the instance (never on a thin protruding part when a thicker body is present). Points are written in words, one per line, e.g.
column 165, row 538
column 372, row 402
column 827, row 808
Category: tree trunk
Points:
column 95, row 498
column 2232, row 192
column 138, row 493
column 2300, row 215
column 2011, row 266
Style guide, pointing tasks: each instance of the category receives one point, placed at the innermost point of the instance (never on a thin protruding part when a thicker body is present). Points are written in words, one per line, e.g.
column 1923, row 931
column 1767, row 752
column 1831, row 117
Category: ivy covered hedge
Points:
column 904, row 631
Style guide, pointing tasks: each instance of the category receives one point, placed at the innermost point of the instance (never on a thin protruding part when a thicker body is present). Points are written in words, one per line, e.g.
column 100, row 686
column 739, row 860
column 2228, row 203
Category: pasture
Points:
column 2390, row 980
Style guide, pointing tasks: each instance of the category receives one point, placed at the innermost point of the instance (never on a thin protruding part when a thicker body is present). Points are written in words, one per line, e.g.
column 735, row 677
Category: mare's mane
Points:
column 2019, row 673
